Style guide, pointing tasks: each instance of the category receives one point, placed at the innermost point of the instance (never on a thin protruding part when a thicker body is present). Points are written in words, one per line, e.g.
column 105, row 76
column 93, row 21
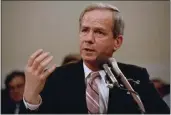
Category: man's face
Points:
column 96, row 36
column 16, row 88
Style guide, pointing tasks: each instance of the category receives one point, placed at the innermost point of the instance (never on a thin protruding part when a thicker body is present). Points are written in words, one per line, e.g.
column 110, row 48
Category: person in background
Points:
column 12, row 95
column 71, row 58
column 163, row 89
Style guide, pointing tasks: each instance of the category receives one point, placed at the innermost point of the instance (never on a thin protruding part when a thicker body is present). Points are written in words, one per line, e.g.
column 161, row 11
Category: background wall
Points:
column 53, row 26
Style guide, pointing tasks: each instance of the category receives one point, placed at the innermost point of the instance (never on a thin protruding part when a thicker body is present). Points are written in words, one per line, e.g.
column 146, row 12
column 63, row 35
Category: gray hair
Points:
column 118, row 23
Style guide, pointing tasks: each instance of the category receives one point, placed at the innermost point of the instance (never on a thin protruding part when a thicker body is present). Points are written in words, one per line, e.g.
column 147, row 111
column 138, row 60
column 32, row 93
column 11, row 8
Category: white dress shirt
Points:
column 103, row 91
column 17, row 109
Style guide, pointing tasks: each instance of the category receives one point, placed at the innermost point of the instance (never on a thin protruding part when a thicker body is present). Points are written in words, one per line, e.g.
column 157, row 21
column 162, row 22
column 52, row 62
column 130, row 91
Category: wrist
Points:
column 32, row 99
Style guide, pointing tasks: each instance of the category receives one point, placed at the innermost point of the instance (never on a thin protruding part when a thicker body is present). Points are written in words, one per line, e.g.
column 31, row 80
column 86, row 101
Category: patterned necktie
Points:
column 92, row 94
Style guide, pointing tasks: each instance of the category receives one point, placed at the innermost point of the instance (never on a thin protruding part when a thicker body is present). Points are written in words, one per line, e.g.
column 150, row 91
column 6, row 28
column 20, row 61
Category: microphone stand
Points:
column 127, row 85
column 112, row 62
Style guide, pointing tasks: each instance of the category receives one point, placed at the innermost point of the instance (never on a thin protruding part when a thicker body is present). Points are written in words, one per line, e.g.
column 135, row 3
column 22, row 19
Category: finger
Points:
column 49, row 71
column 39, row 59
column 42, row 65
column 33, row 56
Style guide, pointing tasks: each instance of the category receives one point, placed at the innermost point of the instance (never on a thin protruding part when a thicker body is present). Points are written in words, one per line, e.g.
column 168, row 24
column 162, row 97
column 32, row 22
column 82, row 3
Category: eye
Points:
column 84, row 29
column 99, row 32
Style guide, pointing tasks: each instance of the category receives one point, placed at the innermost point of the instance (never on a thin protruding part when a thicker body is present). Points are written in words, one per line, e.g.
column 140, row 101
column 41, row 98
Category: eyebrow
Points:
column 95, row 28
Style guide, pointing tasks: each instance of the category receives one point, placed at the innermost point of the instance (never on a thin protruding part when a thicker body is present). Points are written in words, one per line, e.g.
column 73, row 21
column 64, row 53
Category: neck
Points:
column 92, row 65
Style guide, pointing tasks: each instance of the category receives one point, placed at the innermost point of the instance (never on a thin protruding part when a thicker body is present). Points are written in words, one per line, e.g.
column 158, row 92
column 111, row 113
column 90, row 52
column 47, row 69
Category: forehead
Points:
column 98, row 17
column 16, row 80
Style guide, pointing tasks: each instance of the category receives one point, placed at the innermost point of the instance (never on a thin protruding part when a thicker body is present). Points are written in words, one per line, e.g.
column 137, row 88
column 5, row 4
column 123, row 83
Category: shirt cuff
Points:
column 32, row 106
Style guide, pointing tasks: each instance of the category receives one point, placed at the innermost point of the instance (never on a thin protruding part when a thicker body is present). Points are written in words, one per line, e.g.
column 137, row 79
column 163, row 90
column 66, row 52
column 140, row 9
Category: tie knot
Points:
column 94, row 75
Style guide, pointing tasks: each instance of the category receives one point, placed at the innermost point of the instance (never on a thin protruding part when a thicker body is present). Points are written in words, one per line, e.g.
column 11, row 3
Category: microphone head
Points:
column 114, row 64
column 113, row 61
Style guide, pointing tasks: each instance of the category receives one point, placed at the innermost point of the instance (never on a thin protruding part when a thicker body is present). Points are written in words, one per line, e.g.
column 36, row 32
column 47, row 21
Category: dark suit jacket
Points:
column 64, row 92
column 8, row 106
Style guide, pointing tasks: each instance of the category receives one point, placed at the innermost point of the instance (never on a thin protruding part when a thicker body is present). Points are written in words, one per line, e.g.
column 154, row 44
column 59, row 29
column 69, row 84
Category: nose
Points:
column 16, row 90
column 90, row 37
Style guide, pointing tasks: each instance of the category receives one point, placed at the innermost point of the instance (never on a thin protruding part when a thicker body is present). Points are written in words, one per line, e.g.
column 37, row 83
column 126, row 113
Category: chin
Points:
column 89, row 58
column 17, row 98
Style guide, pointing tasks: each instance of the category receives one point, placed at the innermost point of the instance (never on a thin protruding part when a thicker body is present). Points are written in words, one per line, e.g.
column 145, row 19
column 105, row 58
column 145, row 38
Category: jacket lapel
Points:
column 80, row 86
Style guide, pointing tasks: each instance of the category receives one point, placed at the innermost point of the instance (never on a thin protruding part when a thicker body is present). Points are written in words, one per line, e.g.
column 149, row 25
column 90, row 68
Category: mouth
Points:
column 88, row 50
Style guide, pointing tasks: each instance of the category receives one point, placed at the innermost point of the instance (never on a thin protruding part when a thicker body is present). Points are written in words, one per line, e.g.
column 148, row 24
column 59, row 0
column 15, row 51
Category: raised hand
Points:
column 36, row 75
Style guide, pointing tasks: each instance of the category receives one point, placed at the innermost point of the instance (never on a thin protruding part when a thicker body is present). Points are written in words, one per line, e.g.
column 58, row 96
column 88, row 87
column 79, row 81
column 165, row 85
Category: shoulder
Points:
column 69, row 67
column 66, row 70
column 62, row 75
column 134, row 71
column 131, row 67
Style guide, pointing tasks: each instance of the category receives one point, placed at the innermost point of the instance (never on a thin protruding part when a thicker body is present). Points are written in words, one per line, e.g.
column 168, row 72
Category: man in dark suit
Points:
column 12, row 95
column 81, row 87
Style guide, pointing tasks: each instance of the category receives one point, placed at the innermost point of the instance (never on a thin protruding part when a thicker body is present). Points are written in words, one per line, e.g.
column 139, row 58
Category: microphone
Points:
column 102, row 63
column 111, row 76
column 125, row 82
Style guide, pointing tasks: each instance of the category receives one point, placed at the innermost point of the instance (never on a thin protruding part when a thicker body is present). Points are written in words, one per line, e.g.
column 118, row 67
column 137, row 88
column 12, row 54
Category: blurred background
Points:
column 53, row 26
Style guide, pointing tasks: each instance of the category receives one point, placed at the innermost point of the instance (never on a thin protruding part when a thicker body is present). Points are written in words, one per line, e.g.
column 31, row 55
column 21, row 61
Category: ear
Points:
column 118, row 42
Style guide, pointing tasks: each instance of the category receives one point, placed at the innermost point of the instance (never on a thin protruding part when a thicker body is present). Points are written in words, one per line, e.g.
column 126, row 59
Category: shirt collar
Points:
column 87, row 71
